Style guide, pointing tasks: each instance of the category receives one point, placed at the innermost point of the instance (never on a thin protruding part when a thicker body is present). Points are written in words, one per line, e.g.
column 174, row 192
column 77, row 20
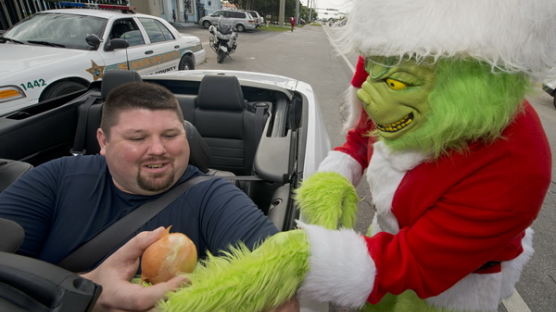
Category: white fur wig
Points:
column 511, row 35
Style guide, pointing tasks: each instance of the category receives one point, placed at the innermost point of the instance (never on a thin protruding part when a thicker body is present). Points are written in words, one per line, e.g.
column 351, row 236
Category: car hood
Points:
column 15, row 58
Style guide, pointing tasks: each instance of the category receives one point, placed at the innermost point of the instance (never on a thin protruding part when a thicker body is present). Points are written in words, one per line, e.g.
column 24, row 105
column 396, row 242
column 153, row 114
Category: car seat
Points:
column 10, row 170
column 231, row 128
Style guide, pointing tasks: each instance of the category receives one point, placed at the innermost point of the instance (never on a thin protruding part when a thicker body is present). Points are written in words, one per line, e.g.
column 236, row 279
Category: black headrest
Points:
column 10, row 170
column 115, row 78
column 220, row 93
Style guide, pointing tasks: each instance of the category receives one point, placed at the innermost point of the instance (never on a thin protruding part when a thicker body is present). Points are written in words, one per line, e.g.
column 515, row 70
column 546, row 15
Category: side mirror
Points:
column 116, row 44
column 93, row 41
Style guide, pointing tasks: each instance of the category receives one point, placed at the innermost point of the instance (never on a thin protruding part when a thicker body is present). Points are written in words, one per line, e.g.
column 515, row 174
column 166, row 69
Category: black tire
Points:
column 554, row 99
column 61, row 88
column 240, row 28
column 186, row 63
column 206, row 24
column 220, row 56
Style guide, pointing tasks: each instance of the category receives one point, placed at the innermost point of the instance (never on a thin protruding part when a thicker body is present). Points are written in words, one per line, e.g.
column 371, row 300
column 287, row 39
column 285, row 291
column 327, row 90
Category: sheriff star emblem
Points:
column 96, row 70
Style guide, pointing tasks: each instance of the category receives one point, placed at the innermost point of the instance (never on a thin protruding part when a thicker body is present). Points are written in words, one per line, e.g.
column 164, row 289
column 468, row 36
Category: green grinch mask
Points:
column 396, row 97
column 434, row 107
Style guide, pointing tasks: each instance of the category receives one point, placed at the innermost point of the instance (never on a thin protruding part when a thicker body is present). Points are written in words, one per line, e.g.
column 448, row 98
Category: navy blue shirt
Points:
column 66, row 202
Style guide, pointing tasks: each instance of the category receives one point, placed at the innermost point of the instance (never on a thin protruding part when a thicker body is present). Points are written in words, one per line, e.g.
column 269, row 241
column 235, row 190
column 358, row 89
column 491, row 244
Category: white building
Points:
column 178, row 11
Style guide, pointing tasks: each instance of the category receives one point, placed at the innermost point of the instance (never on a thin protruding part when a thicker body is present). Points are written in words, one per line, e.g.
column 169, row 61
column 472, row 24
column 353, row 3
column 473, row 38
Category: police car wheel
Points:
column 61, row 88
column 186, row 63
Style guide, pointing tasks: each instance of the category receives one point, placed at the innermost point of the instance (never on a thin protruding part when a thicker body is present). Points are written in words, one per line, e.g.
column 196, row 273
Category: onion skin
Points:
column 172, row 254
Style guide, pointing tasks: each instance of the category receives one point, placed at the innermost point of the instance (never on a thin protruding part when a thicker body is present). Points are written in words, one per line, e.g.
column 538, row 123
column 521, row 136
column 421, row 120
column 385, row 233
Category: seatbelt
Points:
column 81, row 131
column 260, row 109
column 88, row 254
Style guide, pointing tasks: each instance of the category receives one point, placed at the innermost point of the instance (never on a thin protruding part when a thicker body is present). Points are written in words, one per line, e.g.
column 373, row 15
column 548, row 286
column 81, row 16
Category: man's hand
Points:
column 115, row 273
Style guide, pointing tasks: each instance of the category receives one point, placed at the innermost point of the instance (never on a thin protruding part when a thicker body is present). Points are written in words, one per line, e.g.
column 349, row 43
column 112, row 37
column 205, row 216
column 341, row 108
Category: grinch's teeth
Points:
column 398, row 125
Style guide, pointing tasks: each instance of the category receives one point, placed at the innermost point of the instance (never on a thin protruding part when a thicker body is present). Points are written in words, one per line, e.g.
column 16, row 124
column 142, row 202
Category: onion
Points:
column 171, row 255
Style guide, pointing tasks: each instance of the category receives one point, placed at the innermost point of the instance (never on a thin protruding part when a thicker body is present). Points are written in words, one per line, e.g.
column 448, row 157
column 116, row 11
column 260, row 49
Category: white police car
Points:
column 59, row 51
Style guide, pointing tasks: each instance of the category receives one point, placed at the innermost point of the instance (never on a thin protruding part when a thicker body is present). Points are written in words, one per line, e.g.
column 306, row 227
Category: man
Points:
column 457, row 164
column 144, row 152
column 292, row 22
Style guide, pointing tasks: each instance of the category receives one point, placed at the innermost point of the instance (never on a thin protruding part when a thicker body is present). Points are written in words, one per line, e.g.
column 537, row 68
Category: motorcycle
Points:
column 223, row 40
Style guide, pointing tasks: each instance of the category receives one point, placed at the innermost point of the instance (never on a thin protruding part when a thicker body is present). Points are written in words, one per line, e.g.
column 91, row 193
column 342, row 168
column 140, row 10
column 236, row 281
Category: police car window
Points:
column 156, row 31
column 58, row 30
column 127, row 29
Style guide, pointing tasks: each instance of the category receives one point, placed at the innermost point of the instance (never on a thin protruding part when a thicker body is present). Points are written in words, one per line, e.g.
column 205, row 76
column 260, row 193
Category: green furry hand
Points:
column 246, row 281
column 327, row 199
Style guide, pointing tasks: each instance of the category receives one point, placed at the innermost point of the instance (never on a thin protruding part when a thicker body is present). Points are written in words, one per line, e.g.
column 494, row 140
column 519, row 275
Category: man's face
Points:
column 146, row 150
column 396, row 97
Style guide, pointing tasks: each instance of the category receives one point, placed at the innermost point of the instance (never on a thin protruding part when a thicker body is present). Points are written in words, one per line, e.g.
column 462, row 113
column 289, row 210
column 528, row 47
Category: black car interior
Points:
column 251, row 135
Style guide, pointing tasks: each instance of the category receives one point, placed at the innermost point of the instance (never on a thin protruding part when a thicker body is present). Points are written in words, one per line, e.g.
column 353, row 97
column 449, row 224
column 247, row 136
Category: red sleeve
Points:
column 358, row 143
column 450, row 229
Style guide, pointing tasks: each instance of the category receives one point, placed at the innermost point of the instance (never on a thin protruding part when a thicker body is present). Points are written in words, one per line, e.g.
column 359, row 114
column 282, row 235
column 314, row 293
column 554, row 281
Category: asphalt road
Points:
column 307, row 54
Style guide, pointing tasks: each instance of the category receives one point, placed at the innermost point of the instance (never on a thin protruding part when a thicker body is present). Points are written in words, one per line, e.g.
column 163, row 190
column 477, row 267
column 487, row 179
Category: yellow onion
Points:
column 170, row 255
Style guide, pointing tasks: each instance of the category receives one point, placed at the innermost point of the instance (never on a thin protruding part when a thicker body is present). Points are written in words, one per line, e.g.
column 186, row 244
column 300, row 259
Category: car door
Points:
column 136, row 56
column 164, row 48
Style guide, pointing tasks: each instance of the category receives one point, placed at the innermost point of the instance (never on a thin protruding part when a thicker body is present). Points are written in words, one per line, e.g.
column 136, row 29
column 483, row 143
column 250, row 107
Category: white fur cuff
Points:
column 343, row 164
column 341, row 269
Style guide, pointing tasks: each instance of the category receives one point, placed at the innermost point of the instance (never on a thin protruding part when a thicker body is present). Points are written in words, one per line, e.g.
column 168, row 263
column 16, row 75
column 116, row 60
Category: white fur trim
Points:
column 484, row 292
column 352, row 107
column 343, row 164
column 516, row 35
column 384, row 175
column 341, row 269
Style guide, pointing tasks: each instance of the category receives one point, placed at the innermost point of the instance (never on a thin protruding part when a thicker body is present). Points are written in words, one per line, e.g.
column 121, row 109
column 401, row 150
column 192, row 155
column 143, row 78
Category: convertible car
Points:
column 260, row 131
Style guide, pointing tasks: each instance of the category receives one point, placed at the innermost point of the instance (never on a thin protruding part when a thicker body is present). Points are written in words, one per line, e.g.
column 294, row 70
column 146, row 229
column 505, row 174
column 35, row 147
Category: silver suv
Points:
column 240, row 20
column 258, row 18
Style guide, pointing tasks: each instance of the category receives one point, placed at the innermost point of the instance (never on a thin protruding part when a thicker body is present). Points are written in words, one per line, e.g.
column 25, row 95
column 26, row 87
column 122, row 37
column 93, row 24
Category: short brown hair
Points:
column 134, row 95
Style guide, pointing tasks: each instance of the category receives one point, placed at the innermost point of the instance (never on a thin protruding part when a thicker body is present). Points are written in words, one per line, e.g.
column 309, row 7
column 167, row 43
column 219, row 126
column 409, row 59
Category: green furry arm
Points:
column 246, row 281
column 327, row 199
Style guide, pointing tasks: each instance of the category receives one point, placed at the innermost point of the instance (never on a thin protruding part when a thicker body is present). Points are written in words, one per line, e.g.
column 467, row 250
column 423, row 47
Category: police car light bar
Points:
column 68, row 4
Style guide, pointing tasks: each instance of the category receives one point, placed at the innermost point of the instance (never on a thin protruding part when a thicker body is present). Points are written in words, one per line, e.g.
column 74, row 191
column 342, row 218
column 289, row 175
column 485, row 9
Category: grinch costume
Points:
column 457, row 163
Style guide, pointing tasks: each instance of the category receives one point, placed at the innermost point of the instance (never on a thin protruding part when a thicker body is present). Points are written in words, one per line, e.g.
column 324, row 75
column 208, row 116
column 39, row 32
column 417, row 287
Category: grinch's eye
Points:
column 395, row 84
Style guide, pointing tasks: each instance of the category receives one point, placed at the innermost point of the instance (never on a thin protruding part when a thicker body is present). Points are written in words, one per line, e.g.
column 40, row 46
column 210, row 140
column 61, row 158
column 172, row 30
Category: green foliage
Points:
column 470, row 101
column 276, row 28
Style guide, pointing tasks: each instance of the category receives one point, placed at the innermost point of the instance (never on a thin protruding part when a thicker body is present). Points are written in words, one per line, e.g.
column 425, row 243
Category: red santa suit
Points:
column 453, row 229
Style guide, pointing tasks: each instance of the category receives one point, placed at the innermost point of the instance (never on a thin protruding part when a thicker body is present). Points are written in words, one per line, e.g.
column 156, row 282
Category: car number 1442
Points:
column 33, row 84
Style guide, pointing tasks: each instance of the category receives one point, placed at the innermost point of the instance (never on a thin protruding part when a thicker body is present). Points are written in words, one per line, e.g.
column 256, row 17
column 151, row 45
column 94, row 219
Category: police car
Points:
column 56, row 52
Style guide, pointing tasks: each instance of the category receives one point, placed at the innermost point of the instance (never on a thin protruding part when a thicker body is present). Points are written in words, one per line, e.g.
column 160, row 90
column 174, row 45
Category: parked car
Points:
column 240, row 20
column 59, row 51
column 259, row 18
column 285, row 131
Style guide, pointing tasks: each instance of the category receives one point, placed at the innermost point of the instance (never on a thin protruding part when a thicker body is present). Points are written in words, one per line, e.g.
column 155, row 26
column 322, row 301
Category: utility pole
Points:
column 310, row 10
column 297, row 11
column 281, row 12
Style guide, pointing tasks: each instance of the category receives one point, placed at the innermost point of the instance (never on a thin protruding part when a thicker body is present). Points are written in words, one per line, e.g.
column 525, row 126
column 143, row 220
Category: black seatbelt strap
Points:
column 88, row 254
column 260, row 109
column 81, row 131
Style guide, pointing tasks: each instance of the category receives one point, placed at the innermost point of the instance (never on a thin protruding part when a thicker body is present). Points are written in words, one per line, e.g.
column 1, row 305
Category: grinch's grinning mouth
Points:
column 398, row 125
